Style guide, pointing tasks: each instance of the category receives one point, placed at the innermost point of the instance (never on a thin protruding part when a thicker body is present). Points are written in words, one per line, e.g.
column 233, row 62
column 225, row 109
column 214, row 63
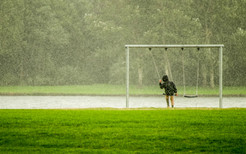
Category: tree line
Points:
column 66, row 42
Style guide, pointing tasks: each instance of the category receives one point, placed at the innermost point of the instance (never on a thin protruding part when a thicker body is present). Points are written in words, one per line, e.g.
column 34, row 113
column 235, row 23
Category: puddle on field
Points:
column 66, row 102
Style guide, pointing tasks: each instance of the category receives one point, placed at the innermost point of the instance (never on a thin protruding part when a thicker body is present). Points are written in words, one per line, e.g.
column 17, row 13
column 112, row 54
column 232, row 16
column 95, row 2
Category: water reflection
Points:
column 66, row 102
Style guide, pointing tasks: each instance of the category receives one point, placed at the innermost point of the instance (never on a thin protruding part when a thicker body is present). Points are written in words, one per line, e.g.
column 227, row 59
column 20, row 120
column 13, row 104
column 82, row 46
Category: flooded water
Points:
column 76, row 102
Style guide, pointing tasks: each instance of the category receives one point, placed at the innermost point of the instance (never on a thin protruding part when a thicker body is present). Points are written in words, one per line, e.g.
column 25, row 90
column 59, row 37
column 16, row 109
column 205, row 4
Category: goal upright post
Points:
column 127, row 76
column 219, row 46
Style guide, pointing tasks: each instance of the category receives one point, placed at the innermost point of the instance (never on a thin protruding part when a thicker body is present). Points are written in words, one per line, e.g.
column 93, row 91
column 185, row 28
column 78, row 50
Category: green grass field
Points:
column 111, row 90
column 123, row 131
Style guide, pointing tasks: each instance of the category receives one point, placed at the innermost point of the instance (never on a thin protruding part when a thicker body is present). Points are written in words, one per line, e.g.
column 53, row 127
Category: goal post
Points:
column 219, row 46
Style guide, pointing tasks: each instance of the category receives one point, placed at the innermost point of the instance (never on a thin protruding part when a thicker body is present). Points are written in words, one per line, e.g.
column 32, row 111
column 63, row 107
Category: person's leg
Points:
column 172, row 100
column 167, row 100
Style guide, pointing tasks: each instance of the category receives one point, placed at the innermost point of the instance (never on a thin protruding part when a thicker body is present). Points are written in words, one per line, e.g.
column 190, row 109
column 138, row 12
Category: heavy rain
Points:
column 81, row 43
column 122, row 76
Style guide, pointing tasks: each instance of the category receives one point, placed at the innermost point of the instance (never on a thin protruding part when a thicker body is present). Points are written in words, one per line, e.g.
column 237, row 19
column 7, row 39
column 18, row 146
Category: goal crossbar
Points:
column 182, row 46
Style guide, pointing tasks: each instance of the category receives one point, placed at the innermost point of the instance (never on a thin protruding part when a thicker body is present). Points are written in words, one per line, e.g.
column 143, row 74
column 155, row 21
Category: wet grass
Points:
column 123, row 131
column 102, row 89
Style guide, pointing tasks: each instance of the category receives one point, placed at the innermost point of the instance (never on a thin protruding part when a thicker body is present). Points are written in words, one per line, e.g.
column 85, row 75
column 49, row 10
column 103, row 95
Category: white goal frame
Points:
column 219, row 46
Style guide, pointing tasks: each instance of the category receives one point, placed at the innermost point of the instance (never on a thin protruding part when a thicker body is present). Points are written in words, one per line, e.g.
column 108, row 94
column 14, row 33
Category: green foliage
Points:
column 238, row 56
column 123, row 131
column 9, row 79
column 67, row 75
column 41, row 40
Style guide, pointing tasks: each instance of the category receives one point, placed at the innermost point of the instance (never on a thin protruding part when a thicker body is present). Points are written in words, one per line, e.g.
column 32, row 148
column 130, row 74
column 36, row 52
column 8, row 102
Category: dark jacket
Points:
column 169, row 86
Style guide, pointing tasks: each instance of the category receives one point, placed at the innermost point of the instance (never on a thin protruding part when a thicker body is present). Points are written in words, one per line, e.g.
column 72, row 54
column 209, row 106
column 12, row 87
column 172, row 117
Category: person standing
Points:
column 170, row 89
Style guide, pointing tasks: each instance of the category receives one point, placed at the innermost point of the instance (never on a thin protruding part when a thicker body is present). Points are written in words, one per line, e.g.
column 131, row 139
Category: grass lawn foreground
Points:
column 123, row 131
